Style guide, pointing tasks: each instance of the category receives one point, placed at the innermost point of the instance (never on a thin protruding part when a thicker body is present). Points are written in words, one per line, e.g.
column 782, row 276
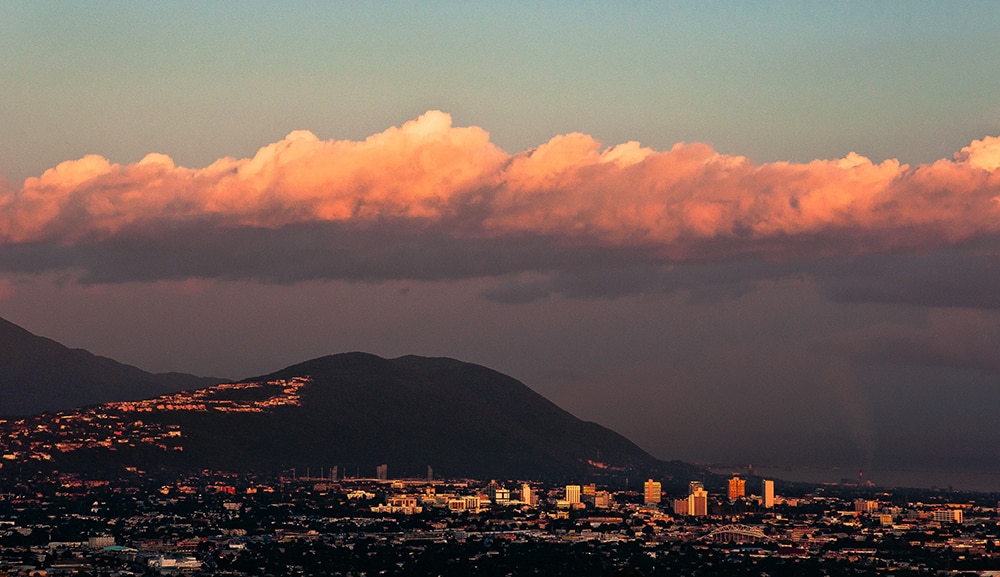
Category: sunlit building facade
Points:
column 767, row 493
column 698, row 503
column 737, row 488
column 651, row 492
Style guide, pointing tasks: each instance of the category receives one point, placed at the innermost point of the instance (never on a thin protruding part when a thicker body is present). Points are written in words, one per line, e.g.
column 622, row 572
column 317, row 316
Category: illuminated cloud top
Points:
column 353, row 209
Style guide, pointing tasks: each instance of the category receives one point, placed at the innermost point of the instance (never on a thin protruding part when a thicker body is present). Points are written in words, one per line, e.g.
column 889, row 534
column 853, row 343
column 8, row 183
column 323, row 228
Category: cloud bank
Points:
column 428, row 200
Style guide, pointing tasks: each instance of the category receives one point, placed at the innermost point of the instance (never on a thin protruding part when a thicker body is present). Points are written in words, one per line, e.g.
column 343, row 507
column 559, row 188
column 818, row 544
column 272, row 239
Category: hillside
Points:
column 38, row 374
column 354, row 411
column 361, row 410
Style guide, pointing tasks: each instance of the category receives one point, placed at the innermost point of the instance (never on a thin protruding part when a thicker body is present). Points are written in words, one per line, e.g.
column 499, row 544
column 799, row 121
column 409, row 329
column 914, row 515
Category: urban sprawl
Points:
column 214, row 523
column 137, row 522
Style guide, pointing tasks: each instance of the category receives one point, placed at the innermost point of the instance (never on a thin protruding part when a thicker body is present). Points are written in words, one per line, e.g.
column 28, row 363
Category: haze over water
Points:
column 986, row 482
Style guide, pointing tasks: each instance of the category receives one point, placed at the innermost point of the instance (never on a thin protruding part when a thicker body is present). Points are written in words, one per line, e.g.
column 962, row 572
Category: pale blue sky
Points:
column 773, row 81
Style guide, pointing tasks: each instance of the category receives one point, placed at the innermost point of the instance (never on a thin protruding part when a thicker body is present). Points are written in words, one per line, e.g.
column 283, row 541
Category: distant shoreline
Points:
column 983, row 482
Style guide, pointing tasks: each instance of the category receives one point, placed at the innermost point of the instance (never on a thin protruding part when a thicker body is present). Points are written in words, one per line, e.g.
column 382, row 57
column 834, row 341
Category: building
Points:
column 491, row 490
column 382, row 472
column 737, row 488
column 573, row 494
column 651, row 492
column 865, row 506
column 527, row 496
column 767, row 493
column 469, row 503
column 404, row 504
column 948, row 516
column 100, row 541
column 698, row 503
column 170, row 563
column 501, row 496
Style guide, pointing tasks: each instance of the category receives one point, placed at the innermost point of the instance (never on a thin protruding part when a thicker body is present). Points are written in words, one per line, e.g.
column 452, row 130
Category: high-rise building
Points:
column 651, row 492
column 573, row 494
column 527, row 497
column 698, row 503
column 694, row 486
column 767, row 493
column 430, row 473
column 382, row 472
column 737, row 488
column 497, row 493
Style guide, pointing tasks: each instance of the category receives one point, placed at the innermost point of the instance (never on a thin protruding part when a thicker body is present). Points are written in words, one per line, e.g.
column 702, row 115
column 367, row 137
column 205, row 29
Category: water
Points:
column 985, row 482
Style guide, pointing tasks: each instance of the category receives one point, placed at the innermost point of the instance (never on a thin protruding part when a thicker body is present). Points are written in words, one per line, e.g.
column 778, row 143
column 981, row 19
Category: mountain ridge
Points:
column 414, row 412
column 40, row 374
column 353, row 410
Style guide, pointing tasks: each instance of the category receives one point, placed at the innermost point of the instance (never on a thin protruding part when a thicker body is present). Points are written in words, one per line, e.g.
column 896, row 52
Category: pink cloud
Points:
column 687, row 201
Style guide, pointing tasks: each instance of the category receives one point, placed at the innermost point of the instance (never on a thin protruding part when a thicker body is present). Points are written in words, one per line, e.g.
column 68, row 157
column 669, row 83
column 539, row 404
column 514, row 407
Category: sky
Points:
column 734, row 232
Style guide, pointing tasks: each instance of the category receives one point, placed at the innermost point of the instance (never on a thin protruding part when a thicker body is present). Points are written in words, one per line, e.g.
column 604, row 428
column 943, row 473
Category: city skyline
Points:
column 766, row 234
column 424, row 527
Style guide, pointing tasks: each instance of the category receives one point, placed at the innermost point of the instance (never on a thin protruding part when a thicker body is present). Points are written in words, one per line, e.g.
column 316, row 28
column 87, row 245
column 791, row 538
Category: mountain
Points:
column 410, row 412
column 356, row 411
column 38, row 374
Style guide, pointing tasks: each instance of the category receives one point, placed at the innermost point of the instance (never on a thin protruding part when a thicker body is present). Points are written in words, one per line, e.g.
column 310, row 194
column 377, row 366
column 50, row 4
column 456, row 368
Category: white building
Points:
column 171, row 563
column 948, row 516
column 501, row 496
column 469, row 503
